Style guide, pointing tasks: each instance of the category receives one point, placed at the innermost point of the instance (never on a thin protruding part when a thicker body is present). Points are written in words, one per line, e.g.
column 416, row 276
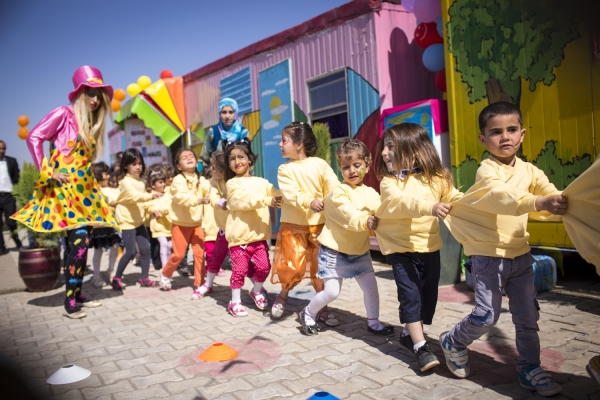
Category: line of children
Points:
column 159, row 209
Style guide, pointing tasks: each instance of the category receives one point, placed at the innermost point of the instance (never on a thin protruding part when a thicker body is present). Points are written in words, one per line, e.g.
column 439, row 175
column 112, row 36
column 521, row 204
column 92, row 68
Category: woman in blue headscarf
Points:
column 228, row 130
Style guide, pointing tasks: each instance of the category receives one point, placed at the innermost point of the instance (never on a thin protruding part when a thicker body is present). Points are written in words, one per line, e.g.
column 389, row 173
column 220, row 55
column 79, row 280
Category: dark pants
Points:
column 75, row 263
column 417, row 277
column 130, row 237
column 155, row 253
column 8, row 206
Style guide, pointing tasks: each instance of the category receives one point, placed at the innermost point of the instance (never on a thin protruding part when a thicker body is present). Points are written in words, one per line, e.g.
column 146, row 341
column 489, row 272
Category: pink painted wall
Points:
column 351, row 44
column 402, row 76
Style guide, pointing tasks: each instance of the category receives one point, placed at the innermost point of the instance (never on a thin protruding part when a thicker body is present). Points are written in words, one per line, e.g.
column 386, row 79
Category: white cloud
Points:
column 279, row 110
column 281, row 82
column 267, row 92
column 277, row 137
column 271, row 124
column 271, row 143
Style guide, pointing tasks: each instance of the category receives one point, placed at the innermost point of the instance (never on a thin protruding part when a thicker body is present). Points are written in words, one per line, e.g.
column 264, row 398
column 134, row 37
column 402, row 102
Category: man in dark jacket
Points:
column 9, row 176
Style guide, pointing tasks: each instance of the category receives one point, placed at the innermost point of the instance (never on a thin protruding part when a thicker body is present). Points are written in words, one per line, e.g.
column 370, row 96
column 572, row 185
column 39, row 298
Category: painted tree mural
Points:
column 498, row 43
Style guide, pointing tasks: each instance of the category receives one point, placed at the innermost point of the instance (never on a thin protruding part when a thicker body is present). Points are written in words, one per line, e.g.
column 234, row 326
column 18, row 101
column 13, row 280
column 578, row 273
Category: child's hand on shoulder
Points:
column 556, row 204
column 222, row 204
column 316, row 206
column 440, row 210
column 372, row 222
column 156, row 195
column 276, row 202
column 156, row 214
column 204, row 200
column 113, row 203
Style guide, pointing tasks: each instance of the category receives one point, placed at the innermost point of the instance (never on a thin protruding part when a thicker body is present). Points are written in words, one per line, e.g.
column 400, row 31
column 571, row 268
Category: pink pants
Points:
column 216, row 252
column 258, row 252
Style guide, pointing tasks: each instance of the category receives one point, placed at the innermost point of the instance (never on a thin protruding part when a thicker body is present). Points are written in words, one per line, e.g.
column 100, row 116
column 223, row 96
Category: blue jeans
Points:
column 515, row 276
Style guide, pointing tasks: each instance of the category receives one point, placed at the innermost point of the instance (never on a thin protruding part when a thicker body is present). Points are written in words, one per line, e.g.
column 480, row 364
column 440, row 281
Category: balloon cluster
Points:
column 23, row 131
column 428, row 35
column 133, row 89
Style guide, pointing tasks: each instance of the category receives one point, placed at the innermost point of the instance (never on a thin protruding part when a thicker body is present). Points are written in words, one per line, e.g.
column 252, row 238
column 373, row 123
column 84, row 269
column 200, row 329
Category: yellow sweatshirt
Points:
column 130, row 211
column 582, row 219
column 406, row 221
column 218, row 191
column 186, row 190
column 491, row 218
column 346, row 211
column 160, row 227
column 209, row 225
column 301, row 182
column 249, row 219
column 110, row 194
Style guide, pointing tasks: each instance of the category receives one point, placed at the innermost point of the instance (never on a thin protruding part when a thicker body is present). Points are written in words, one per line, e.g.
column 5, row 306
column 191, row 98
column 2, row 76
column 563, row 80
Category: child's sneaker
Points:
column 98, row 282
column 308, row 327
column 165, row 283
column 425, row 358
column 260, row 300
column 456, row 360
column 147, row 282
column 201, row 292
column 117, row 284
column 221, row 272
column 536, row 378
column 237, row 309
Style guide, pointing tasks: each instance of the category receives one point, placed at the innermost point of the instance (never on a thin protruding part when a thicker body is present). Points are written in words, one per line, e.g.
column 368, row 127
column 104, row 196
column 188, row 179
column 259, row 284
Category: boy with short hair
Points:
column 490, row 221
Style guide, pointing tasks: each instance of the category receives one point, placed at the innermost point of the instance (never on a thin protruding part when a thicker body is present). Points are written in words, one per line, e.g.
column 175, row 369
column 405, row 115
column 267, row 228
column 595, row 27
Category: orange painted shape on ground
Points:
column 218, row 352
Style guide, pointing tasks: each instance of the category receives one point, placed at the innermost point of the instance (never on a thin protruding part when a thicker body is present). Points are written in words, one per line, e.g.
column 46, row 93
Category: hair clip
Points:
column 154, row 173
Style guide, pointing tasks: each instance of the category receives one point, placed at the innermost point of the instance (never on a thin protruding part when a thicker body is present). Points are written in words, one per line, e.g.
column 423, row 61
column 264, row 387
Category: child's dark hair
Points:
column 178, row 156
column 353, row 147
column 495, row 109
column 99, row 168
column 113, row 181
column 218, row 160
column 243, row 145
column 156, row 176
column 129, row 157
column 302, row 133
column 167, row 170
column 414, row 149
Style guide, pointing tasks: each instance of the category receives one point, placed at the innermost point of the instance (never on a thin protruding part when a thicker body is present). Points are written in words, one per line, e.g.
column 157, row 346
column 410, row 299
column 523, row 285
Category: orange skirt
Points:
column 295, row 256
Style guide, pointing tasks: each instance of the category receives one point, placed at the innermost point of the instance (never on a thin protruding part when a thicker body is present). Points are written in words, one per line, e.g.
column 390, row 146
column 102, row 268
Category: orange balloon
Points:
column 23, row 120
column 23, row 132
column 115, row 105
column 119, row 94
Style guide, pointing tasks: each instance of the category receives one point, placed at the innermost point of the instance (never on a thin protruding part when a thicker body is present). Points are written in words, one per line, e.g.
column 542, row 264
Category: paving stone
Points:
column 271, row 391
column 302, row 385
column 152, row 392
column 233, row 385
column 349, row 372
column 111, row 377
column 146, row 381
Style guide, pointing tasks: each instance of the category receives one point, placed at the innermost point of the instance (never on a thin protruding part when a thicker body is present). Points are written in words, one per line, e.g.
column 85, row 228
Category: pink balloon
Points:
column 409, row 5
column 427, row 10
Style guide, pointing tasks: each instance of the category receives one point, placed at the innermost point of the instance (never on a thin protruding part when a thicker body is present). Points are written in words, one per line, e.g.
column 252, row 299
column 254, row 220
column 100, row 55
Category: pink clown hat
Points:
column 90, row 77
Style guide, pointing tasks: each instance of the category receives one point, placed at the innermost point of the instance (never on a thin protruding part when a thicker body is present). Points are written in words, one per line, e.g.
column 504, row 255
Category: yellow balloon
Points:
column 23, row 132
column 144, row 81
column 133, row 89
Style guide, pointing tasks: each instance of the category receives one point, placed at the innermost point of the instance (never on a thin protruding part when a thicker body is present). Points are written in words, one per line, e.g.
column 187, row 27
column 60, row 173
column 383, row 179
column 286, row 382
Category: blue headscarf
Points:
column 236, row 131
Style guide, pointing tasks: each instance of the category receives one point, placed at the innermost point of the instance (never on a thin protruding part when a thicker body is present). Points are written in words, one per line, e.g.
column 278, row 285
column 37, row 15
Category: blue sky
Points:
column 42, row 42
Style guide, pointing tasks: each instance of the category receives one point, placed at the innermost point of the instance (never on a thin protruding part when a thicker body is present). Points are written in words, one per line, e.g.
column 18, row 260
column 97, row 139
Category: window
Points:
column 328, row 102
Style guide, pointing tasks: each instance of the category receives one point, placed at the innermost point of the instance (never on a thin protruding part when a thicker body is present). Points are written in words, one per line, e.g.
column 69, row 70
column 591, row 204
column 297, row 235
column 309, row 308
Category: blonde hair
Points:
column 92, row 123
column 414, row 149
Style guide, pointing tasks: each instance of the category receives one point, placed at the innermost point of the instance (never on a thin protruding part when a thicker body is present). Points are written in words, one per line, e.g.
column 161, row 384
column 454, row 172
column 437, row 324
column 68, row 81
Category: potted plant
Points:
column 40, row 264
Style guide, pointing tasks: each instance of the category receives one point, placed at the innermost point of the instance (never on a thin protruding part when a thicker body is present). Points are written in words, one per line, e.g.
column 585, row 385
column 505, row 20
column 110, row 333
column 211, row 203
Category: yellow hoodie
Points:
column 346, row 211
column 130, row 210
column 406, row 221
column 218, row 191
column 491, row 218
column 160, row 227
column 186, row 190
column 249, row 219
column 301, row 182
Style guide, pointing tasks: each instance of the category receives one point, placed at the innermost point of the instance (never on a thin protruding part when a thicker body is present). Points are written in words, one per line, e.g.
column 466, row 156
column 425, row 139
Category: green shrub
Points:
column 323, row 136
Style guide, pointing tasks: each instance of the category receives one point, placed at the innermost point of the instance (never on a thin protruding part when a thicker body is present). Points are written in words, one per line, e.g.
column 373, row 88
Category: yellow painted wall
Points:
column 561, row 121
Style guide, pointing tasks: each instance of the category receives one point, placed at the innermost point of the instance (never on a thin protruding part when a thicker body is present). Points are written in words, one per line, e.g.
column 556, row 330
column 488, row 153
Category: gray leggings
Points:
column 130, row 237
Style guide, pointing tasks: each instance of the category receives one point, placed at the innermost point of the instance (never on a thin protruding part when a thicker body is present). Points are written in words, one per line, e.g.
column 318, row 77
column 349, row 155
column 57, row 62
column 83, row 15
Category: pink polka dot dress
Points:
column 54, row 207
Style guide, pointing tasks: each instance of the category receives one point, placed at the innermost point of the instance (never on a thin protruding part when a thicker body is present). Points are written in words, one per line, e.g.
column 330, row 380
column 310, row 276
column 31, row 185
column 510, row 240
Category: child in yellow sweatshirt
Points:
column 131, row 214
column 490, row 221
column 344, row 252
column 160, row 220
column 248, row 226
column 304, row 182
column 415, row 192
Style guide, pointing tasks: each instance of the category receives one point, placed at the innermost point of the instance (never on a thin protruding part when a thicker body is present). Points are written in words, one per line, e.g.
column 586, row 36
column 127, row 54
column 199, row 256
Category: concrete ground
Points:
column 144, row 343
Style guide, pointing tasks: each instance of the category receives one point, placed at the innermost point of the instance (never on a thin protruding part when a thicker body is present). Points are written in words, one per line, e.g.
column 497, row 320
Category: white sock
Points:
column 417, row 346
column 257, row 287
column 375, row 324
column 308, row 318
column 331, row 291
column 405, row 332
column 236, row 295
column 210, row 277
